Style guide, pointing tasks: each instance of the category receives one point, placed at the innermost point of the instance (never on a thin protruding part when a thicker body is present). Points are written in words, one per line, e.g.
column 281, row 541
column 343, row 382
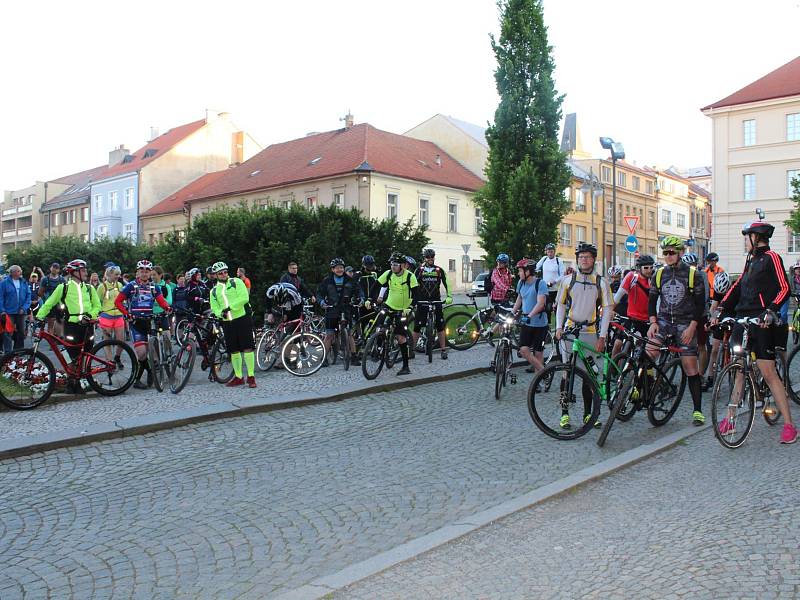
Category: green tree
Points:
column 793, row 222
column 522, row 201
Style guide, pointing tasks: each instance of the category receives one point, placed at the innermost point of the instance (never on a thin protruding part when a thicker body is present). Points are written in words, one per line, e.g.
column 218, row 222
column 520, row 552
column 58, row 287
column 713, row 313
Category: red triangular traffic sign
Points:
column 631, row 221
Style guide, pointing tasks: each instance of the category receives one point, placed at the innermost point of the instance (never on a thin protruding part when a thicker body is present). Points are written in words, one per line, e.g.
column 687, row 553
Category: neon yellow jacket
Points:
column 80, row 299
column 232, row 294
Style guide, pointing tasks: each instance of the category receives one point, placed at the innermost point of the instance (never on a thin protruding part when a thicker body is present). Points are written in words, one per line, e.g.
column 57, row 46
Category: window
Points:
column 609, row 214
column 651, row 250
column 73, row 216
column 621, row 178
column 749, row 187
column 112, row 201
column 128, row 198
column 793, row 127
column 666, row 217
column 451, row 265
column 391, row 206
column 85, row 214
column 452, row 216
column 65, row 217
column 338, row 199
column 151, row 239
column 182, row 235
column 580, row 234
column 98, row 202
column 794, row 242
column 311, row 201
column 478, row 221
column 580, row 200
column 749, row 132
column 567, row 195
column 149, row 152
column 127, row 231
column 681, row 220
column 790, row 175
column 648, row 187
column 56, row 220
column 423, row 211
column 566, row 234
column 606, row 174
column 635, row 182
column 101, row 231
column 46, row 220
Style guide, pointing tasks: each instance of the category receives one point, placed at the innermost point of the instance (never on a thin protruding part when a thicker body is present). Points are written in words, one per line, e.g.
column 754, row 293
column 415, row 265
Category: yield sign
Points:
column 631, row 222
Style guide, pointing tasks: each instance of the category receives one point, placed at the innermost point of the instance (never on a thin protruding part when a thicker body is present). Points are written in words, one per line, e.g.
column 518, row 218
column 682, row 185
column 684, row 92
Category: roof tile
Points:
column 780, row 83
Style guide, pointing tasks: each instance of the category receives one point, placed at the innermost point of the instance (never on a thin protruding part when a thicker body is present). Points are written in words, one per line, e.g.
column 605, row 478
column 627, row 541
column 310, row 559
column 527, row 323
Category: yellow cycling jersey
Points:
column 400, row 286
column 582, row 295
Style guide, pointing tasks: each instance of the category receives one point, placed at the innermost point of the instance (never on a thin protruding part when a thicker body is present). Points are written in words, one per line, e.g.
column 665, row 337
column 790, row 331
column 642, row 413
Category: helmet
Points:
column 218, row 266
column 529, row 266
column 585, row 247
column 645, row 260
column 144, row 264
column 75, row 265
column 503, row 258
column 689, row 258
column 522, row 263
column 549, row 247
column 192, row 272
column 411, row 261
column 396, row 257
column 722, row 282
column 672, row 241
column 368, row 260
column 615, row 271
column 760, row 227
column 208, row 270
column 337, row 262
column 712, row 256
column 348, row 269
column 796, row 265
column 428, row 253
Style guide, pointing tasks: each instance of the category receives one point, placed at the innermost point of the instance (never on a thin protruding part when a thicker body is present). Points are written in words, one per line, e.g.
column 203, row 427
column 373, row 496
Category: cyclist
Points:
column 635, row 287
column 211, row 279
column 532, row 299
column 691, row 259
column 760, row 291
column 141, row 294
column 712, row 268
column 158, row 279
column 430, row 278
column 46, row 287
column 580, row 299
column 409, row 264
column 230, row 302
column 284, row 303
column 335, row 294
column 367, row 280
column 499, row 281
column 614, row 278
column 112, row 322
column 552, row 269
column 292, row 277
column 397, row 292
column 720, row 286
column 196, row 291
column 795, row 280
column 680, row 313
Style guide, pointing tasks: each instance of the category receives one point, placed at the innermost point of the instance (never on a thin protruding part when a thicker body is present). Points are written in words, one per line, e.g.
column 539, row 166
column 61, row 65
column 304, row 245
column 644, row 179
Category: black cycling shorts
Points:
column 782, row 336
column 422, row 316
column 238, row 334
column 762, row 341
column 532, row 337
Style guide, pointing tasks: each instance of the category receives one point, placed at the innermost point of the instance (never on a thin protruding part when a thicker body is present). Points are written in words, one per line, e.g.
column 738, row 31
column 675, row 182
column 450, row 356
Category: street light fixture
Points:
column 617, row 153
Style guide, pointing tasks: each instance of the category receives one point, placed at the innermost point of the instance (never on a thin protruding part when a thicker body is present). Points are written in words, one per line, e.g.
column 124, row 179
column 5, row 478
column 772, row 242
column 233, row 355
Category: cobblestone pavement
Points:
column 267, row 502
column 73, row 412
column 698, row 521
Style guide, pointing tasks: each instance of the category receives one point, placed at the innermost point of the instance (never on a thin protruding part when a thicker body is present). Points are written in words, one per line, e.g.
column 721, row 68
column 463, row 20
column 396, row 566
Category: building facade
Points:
column 584, row 222
column 466, row 142
column 756, row 154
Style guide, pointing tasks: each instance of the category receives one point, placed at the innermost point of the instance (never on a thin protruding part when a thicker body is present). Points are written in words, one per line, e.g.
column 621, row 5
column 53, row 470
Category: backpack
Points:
column 598, row 300
column 692, row 271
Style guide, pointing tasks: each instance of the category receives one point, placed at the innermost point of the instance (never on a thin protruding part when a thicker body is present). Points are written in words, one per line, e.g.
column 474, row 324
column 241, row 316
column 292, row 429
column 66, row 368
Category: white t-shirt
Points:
column 552, row 270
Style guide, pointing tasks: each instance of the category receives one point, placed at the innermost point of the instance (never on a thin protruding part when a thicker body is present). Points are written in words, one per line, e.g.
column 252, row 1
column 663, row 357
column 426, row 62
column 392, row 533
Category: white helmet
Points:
column 722, row 282
column 615, row 271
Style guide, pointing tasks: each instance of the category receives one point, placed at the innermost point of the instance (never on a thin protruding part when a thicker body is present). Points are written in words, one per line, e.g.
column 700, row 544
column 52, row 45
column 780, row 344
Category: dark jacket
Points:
column 336, row 299
column 368, row 282
column 763, row 285
column 680, row 302
column 298, row 283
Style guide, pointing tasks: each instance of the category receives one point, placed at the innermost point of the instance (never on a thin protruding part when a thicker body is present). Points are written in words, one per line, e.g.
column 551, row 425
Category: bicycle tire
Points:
column 16, row 374
column 622, row 398
column 182, row 329
column 792, row 381
column 721, row 401
column 465, row 339
column 540, row 409
column 220, row 362
column 393, row 352
column 659, row 409
column 154, row 360
column 118, row 385
column 429, row 329
column 183, row 365
column 549, row 347
column 627, row 411
column 499, row 374
column 344, row 346
column 268, row 349
column 374, row 355
column 296, row 357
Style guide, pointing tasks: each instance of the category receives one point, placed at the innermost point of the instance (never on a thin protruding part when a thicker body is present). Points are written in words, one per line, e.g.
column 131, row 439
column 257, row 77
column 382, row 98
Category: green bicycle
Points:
column 553, row 393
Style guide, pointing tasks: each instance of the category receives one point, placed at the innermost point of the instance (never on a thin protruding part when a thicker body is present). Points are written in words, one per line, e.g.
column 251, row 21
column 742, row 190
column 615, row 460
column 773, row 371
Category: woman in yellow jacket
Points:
column 112, row 322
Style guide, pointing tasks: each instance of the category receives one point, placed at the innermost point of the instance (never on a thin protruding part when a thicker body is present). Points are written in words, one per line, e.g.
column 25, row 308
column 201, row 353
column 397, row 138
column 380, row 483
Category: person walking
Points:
column 15, row 300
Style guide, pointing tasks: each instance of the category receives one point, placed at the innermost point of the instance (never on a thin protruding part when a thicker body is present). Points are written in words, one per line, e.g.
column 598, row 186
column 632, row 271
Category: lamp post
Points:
column 589, row 186
column 617, row 152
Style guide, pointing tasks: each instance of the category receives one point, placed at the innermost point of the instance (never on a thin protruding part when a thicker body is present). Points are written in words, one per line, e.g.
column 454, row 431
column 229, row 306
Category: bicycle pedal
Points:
column 513, row 380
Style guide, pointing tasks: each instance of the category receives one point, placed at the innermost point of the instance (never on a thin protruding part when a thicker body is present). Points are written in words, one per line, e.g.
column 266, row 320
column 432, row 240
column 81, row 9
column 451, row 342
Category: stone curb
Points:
column 22, row 446
column 323, row 586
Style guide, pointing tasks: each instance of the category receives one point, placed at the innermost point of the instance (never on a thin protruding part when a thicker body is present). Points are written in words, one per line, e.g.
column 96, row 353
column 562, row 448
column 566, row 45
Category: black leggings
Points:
column 74, row 333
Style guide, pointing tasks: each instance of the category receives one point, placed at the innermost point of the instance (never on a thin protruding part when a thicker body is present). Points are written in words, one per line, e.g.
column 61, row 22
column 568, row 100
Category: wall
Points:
column 114, row 219
column 156, row 227
column 457, row 143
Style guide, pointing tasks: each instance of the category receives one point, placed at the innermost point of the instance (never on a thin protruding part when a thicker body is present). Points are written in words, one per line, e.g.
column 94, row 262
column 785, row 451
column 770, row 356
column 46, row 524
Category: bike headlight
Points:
column 736, row 349
column 509, row 320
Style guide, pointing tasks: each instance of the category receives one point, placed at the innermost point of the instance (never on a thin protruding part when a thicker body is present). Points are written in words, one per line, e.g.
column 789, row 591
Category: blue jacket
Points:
column 12, row 301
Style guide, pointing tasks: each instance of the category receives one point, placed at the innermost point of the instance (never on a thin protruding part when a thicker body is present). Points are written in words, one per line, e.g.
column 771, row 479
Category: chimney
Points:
column 348, row 120
column 117, row 155
column 153, row 133
column 438, row 160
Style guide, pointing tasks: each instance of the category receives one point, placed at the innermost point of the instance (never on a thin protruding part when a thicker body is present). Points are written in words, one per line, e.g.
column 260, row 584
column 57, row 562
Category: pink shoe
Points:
column 789, row 434
column 726, row 426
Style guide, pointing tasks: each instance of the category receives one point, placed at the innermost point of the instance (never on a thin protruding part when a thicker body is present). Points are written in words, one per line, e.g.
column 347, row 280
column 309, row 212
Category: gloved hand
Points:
column 367, row 304
column 226, row 311
column 448, row 300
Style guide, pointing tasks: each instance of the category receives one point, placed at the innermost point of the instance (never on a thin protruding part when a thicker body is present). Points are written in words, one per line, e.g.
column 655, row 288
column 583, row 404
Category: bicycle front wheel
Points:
column 623, row 402
column 344, row 347
column 733, row 411
column 560, row 410
column 221, row 366
column 666, row 393
column 500, row 370
column 27, row 379
column 374, row 355
column 268, row 349
column 154, row 359
column 461, row 331
column 792, row 375
column 303, row 354
column 430, row 333
column 105, row 374
column 182, row 365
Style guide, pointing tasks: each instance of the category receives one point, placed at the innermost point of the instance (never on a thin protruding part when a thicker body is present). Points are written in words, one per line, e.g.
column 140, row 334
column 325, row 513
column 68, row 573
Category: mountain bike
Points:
column 740, row 388
column 555, row 411
column 503, row 355
column 28, row 376
column 427, row 331
column 206, row 334
column 382, row 347
column 307, row 354
column 159, row 352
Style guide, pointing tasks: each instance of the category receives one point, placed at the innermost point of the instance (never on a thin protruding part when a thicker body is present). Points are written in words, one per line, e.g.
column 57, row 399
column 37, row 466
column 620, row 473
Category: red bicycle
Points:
column 28, row 377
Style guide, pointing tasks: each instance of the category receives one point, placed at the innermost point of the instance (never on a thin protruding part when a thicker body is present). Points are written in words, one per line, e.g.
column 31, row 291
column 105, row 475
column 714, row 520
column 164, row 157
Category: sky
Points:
column 79, row 78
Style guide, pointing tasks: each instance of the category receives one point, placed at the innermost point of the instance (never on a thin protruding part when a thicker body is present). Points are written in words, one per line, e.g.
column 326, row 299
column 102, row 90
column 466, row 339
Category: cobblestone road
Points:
column 250, row 506
column 698, row 521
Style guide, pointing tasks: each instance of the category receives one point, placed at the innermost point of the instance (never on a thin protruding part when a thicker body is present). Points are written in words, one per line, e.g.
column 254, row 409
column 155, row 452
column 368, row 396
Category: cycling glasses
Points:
column 669, row 253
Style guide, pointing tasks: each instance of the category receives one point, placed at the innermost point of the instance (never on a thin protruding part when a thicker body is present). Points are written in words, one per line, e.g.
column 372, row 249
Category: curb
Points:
column 132, row 426
column 323, row 586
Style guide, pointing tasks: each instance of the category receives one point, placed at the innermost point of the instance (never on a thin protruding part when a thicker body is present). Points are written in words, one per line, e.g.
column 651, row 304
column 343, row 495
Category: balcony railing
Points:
column 25, row 231
column 24, row 208
column 8, row 234
column 9, row 211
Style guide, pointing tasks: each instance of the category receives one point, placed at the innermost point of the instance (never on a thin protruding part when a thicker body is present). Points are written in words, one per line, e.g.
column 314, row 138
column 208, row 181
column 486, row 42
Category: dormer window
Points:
column 149, row 152
column 129, row 158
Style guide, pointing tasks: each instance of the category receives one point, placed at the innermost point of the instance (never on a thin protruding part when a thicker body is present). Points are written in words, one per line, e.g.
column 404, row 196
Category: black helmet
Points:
column 397, row 257
column 410, row 260
column 549, row 247
column 368, row 260
column 337, row 262
column 645, row 260
column 586, row 247
column 712, row 256
column 428, row 253
column 759, row 227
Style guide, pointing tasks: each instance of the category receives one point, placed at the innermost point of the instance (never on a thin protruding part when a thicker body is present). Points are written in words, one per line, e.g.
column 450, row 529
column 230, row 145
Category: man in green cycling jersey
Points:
column 430, row 278
column 397, row 293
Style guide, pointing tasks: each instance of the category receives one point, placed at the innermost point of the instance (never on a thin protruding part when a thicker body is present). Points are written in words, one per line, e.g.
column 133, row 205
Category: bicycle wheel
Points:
column 796, row 327
column 154, row 359
column 792, row 375
column 268, row 349
column 104, row 374
column 461, row 331
column 622, row 400
column 429, row 337
column 303, row 354
column 500, row 371
column 182, row 365
column 374, row 355
column 549, row 347
column 344, row 347
column 221, row 366
column 27, row 379
column 734, row 410
column 547, row 406
column 631, row 405
column 666, row 393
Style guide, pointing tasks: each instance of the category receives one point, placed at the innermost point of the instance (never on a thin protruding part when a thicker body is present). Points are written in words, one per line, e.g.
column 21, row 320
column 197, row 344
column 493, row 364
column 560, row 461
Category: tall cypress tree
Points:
column 522, row 201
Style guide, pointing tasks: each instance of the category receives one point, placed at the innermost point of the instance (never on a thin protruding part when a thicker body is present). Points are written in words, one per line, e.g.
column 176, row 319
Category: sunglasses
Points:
column 395, row 264
column 647, row 267
column 669, row 253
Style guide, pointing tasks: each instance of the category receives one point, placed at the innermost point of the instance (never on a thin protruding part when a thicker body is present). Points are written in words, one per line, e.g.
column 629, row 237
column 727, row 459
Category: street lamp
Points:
column 589, row 186
column 617, row 152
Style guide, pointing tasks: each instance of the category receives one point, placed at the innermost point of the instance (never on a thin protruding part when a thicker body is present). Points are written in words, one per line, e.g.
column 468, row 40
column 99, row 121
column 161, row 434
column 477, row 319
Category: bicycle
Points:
column 731, row 416
column 272, row 343
column 29, row 377
column 427, row 333
column 205, row 333
column 159, row 352
column 794, row 326
column 340, row 345
column 502, row 355
column 382, row 347
column 547, row 409
column 659, row 393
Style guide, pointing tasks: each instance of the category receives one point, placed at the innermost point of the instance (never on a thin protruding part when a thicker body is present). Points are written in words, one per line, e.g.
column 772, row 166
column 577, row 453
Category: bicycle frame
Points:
column 583, row 351
column 75, row 369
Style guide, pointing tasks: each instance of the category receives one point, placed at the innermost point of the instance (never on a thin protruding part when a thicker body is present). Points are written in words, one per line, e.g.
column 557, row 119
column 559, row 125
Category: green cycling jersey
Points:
column 400, row 287
column 232, row 294
column 80, row 299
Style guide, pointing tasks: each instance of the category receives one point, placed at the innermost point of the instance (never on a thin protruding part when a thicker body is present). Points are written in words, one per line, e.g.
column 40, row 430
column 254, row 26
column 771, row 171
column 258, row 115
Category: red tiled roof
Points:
column 162, row 143
column 782, row 82
column 88, row 175
column 174, row 203
column 362, row 147
column 693, row 187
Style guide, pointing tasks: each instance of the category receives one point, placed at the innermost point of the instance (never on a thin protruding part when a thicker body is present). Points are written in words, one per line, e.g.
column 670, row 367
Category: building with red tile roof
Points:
column 783, row 82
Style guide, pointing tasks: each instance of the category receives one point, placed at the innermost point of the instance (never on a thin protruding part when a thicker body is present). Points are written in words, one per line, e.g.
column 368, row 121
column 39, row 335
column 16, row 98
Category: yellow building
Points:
column 584, row 222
